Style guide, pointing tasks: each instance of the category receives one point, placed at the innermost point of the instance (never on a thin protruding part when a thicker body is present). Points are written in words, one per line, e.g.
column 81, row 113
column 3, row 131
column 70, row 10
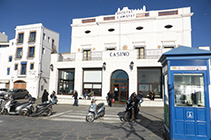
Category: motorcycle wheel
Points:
column 103, row 113
column 90, row 117
column 127, row 116
column 4, row 112
column 49, row 112
column 23, row 113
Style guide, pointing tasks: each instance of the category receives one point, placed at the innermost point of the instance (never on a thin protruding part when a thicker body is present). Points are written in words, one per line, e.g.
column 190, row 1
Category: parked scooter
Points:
column 28, row 109
column 14, row 107
column 1, row 101
column 95, row 111
column 43, row 109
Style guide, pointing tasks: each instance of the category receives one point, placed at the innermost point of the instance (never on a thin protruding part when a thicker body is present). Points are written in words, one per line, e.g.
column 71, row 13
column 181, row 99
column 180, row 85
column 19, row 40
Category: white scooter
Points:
column 95, row 111
column 14, row 107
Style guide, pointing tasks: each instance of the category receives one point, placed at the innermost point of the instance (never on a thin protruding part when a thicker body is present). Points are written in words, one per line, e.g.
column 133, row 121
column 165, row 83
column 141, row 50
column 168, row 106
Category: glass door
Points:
column 120, row 92
column 123, row 93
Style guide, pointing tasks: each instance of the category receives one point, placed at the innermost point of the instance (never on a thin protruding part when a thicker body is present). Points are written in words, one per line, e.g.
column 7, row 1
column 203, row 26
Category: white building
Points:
column 4, row 44
column 26, row 62
column 119, row 52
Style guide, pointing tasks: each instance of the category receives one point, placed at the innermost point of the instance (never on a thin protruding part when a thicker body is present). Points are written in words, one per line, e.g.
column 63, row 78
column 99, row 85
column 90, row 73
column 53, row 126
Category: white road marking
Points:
column 73, row 116
column 60, row 113
column 80, row 116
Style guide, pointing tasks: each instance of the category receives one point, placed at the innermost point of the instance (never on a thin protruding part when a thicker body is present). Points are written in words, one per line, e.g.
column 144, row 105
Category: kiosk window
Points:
column 189, row 90
column 166, row 89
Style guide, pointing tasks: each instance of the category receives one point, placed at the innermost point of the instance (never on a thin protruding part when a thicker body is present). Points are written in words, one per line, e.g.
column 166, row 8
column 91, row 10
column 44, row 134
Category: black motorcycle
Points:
column 131, row 105
column 43, row 109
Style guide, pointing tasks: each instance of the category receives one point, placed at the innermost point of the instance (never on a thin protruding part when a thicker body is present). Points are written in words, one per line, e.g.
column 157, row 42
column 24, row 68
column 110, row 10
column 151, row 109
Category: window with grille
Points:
column 20, row 37
column 10, row 58
column 16, row 67
column 23, row 68
column 86, row 55
column 8, row 71
column 19, row 52
column 31, row 52
column 32, row 37
column 140, row 52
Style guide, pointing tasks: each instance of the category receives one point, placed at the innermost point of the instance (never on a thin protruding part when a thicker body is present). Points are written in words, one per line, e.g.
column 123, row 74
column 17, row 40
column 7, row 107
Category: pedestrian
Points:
column 151, row 95
column 91, row 94
column 75, row 95
column 110, row 98
column 137, row 99
column 53, row 97
column 45, row 96
column 132, row 95
column 86, row 93
column 140, row 95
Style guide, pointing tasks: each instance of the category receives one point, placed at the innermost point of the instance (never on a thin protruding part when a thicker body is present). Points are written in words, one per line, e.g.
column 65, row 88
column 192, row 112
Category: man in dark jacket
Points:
column 110, row 98
column 75, row 95
column 45, row 96
column 137, row 99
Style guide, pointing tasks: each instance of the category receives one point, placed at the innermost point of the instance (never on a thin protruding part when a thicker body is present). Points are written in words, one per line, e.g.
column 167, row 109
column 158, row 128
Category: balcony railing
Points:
column 66, row 57
column 148, row 54
column 93, row 56
column 151, row 54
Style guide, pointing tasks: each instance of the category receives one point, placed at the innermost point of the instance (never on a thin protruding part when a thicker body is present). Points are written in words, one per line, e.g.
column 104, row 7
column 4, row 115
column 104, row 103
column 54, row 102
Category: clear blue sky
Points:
column 57, row 15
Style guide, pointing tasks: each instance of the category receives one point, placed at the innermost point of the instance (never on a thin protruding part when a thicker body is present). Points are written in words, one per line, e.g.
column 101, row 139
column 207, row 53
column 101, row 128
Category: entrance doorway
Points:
column 20, row 84
column 119, row 86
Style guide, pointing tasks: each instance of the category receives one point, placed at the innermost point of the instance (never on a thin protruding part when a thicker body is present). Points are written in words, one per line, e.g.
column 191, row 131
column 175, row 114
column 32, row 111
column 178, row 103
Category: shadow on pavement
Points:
column 155, row 124
column 129, row 129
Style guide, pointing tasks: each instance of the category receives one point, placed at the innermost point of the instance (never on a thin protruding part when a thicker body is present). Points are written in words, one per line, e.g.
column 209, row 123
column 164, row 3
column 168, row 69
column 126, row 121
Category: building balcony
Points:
column 66, row 57
column 152, row 53
column 93, row 56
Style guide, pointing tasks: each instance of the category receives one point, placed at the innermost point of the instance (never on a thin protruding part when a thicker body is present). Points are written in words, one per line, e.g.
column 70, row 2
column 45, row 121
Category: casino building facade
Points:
column 119, row 52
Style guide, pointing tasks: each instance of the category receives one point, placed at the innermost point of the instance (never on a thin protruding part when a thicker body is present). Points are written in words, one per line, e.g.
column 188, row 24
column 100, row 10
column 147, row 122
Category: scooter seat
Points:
column 18, row 104
column 100, row 105
column 42, row 105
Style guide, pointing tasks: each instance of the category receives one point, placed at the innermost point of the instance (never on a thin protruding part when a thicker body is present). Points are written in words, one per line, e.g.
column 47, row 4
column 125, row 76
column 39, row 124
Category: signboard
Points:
column 127, row 13
column 188, row 67
column 119, row 54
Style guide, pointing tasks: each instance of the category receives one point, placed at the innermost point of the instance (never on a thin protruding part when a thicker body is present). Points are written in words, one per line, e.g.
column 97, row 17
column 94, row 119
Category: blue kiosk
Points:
column 186, row 80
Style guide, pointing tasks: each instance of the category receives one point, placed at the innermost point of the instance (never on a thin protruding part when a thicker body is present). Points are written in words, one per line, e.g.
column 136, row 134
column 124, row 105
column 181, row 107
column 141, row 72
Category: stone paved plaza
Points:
column 68, row 123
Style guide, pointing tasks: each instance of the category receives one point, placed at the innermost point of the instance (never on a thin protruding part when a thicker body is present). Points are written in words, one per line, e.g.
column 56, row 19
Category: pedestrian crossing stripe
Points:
column 80, row 116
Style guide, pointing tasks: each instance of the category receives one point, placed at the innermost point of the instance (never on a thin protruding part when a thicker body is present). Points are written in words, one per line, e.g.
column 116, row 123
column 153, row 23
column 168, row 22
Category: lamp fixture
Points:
column 51, row 67
column 104, row 65
column 131, row 65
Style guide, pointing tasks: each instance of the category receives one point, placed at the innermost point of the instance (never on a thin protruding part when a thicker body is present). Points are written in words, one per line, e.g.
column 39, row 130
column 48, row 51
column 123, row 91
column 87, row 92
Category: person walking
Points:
column 75, row 95
column 140, row 95
column 110, row 98
column 45, row 96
